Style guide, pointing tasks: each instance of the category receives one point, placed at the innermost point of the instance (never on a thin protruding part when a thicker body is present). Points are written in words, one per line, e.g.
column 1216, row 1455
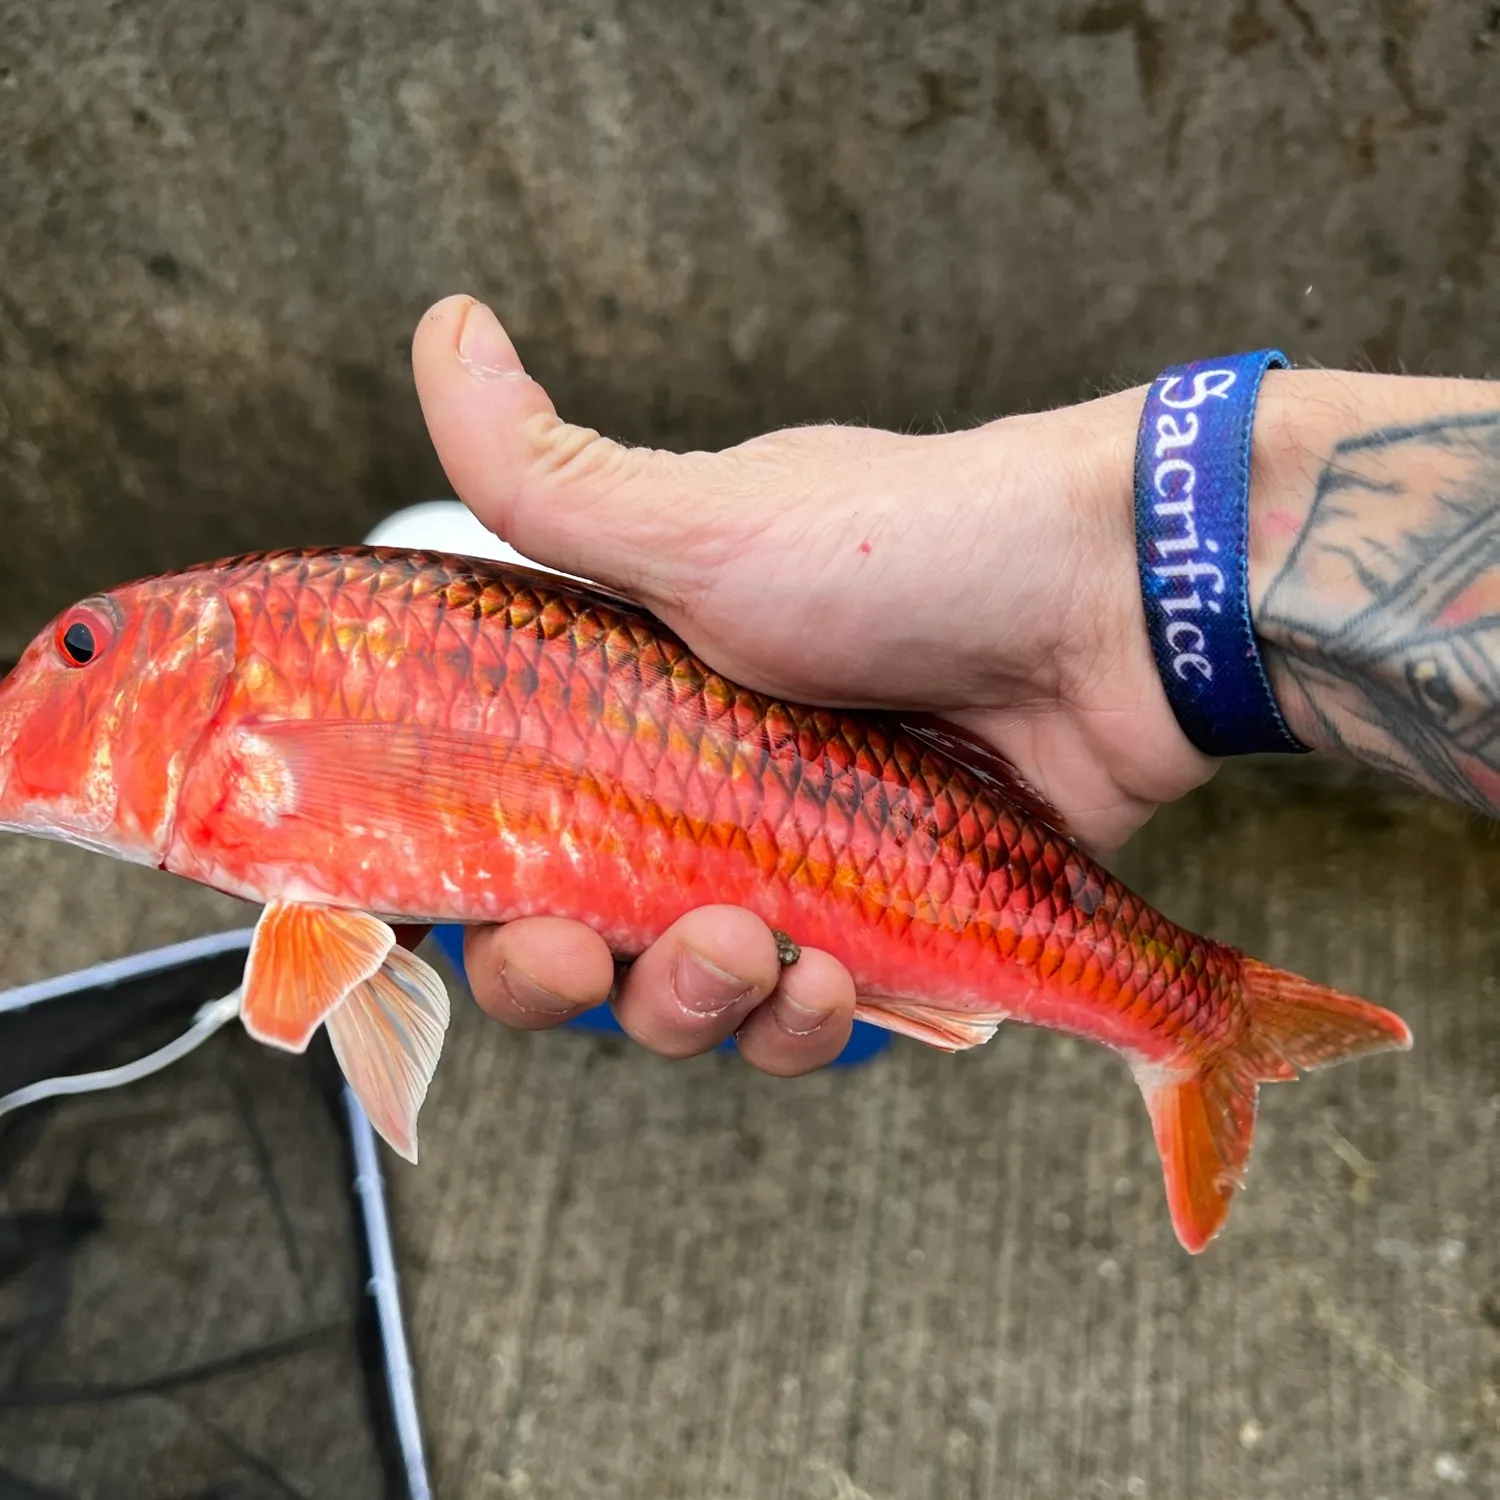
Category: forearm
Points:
column 1375, row 571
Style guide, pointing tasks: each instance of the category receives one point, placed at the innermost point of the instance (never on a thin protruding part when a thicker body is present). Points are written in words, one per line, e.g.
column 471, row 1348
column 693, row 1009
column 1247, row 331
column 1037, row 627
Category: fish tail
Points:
column 1204, row 1121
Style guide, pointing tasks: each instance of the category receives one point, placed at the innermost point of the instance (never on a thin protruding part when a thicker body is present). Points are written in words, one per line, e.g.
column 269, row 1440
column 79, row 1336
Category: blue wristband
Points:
column 1192, row 519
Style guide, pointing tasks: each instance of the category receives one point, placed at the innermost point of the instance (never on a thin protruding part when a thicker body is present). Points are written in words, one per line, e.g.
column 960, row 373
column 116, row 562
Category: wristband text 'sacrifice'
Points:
column 1192, row 513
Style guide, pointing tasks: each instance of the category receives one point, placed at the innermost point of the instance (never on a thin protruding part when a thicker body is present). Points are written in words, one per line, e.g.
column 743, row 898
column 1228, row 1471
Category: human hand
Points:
column 988, row 575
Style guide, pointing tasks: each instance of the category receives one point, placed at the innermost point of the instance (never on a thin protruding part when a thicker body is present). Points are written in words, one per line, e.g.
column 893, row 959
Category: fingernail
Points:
column 531, row 998
column 485, row 346
column 704, row 989
column 797, row 1020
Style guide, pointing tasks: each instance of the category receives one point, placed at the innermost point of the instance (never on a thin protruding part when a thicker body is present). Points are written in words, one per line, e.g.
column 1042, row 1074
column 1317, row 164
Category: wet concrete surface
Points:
column 928, row 1277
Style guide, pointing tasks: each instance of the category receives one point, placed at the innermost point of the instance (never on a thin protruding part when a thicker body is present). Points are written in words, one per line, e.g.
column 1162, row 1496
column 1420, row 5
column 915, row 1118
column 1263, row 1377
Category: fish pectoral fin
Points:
column 323, row 773
column 303, row 960
column 388, row 1036
column 948, row 1030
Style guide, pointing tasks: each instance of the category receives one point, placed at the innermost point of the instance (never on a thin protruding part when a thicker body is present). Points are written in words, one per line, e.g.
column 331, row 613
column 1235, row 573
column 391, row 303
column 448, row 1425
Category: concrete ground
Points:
column 931, row 1277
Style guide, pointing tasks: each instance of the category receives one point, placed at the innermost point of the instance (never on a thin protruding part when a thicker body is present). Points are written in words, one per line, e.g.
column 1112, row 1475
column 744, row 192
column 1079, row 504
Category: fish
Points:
column 368, row 741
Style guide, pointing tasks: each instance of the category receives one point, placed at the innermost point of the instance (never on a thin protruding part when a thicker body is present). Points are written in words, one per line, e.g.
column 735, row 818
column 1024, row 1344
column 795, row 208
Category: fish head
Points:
column 105, row 710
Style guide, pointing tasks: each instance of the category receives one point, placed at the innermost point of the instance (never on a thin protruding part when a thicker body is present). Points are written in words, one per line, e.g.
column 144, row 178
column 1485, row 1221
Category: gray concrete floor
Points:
column 931, row 1277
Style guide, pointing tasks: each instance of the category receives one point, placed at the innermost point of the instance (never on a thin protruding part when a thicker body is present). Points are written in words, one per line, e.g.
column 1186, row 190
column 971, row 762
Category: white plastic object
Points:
column 450, row 526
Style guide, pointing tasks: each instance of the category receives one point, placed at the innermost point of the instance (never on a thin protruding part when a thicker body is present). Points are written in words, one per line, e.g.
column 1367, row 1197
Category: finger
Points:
column 538, row 971
column 805, row 1023
column 561, row 494
column 695, row 985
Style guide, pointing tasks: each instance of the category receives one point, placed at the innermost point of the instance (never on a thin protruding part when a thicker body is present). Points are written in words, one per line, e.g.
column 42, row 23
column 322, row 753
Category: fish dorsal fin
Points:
column 504, row 570
column 388, row 1036
column 566, row 583
column 304, row 959
column 988, row 764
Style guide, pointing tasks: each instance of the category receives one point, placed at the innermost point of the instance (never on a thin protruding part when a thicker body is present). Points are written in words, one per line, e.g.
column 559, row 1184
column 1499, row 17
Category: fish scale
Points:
column 358, row 737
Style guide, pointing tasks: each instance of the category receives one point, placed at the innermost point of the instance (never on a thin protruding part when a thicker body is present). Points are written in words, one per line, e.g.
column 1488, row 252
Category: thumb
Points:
column 561, row 494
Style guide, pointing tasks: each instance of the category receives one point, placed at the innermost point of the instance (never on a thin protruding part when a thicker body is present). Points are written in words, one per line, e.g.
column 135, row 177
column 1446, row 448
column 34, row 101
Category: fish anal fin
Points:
column 388, row 1036
column 947, row 1030
column 303, row 960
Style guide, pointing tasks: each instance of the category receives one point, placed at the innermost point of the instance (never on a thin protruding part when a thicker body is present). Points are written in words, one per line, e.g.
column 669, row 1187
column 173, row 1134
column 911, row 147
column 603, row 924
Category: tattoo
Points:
column 1383, row 625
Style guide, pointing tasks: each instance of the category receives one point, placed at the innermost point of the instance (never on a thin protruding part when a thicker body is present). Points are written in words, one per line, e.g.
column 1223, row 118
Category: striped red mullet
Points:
column 359, row 737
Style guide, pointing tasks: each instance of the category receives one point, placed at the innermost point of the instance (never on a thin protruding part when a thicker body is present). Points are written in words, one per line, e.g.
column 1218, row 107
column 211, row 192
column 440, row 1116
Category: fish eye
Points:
column 83, row 635
column 78, row 642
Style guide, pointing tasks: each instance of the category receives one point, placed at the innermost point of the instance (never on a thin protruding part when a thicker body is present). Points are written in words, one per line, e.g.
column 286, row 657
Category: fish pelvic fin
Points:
column 388, row 1035
column 1204, row 1121
column 303, row 960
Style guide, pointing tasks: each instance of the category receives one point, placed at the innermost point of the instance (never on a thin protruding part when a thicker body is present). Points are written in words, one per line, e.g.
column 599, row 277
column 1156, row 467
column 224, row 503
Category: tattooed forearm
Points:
column 1382, row 626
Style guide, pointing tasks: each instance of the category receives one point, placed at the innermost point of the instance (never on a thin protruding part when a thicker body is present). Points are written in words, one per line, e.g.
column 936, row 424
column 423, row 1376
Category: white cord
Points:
column 209, row 1019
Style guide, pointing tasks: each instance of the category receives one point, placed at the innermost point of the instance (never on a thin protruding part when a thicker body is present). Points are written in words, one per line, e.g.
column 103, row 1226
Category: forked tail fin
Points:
column 1204, row 1121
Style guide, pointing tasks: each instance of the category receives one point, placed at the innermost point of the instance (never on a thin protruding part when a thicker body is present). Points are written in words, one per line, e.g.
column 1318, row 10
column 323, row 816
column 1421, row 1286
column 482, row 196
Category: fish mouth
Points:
column 60, row 824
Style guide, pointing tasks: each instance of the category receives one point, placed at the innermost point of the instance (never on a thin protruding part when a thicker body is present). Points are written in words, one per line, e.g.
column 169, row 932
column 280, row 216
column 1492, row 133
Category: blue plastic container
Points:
column 864, row 1043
